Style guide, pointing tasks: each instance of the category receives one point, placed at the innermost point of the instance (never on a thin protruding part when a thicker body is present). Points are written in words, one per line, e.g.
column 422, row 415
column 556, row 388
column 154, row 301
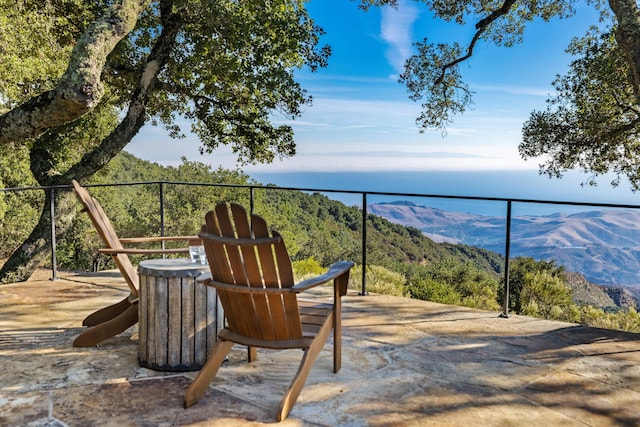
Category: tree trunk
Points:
column 37, row 247
column 80, row 88
column 628, row 37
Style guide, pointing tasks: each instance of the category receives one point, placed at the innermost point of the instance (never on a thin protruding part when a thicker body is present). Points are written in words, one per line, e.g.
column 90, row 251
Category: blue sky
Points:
column 361, row 118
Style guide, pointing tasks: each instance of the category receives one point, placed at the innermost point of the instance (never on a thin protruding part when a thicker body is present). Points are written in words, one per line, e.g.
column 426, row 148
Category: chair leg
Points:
column 207, row 373
column 310, row 355
column 106, row 313
column 252, row 354
column 337, row 335
column 108, row 329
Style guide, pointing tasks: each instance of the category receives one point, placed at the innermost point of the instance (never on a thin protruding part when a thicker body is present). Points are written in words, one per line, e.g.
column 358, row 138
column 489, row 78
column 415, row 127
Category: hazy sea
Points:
column 523, row 185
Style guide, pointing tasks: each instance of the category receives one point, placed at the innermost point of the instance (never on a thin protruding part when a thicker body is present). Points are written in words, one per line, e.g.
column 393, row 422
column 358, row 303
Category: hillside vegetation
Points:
column 318, row 231
column 603, row 244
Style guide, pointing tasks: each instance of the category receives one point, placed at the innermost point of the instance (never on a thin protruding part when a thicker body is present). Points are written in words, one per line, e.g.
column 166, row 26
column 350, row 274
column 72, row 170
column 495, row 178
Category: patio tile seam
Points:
column 217, row 384
column 517, row 392
column 604, row 383
column 220, row 388
column 551, row 408
column 528, row 393
column 528, row 387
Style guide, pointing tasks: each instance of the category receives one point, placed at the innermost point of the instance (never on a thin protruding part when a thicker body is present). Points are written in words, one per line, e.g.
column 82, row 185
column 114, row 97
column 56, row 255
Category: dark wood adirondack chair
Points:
column 252, row 273
column 114, row 319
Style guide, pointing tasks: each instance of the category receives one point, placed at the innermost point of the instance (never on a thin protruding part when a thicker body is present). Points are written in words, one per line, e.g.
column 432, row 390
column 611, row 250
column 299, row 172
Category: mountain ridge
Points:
column 602, row 245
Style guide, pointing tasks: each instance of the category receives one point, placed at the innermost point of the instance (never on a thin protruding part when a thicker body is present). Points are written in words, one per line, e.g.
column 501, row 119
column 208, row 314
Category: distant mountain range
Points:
column 604, row 246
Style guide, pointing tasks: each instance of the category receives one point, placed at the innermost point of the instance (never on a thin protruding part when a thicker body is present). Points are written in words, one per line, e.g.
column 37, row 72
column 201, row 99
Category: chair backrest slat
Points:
column 107, row 233
column 227, row 263
column 256, row 275
column 282, row 307
column 265, row 264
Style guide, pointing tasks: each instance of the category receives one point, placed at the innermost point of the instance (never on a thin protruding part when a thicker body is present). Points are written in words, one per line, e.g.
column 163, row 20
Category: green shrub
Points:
column 452, row 282
column 431, row 290
column 520, row 273
column 545, row 295
column 624, row 320
column 307, row 267
column 628, row 320
column 379, row 280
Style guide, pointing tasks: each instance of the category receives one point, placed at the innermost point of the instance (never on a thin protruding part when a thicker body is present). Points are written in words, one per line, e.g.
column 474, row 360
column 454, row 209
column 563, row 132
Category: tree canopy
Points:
column 593, row 121
column 224, row 66
column 78, row 80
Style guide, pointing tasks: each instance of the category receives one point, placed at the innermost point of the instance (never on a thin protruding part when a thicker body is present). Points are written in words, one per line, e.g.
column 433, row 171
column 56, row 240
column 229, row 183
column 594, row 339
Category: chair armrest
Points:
column 196, row 240
column 336, row 270
column 193, row 241
column 134, row 251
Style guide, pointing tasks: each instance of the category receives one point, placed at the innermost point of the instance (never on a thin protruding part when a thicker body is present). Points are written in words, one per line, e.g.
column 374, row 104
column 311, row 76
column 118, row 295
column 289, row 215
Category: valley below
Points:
column 603, row 245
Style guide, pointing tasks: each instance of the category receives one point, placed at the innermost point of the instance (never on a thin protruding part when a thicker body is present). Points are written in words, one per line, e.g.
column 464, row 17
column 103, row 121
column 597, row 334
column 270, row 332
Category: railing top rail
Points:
column 344, row 191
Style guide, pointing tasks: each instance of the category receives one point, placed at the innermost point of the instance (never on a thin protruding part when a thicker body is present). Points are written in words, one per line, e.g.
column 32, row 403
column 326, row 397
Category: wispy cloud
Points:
column 345, row 113
column 395, row 29
column 513, row 90
column 391, row 161
column 405, row 154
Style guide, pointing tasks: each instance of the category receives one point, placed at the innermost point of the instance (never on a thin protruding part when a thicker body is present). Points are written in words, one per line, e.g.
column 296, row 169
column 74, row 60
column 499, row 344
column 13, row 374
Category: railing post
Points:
column 364, row 245
column 507, row 253
column 161, row 189
column 251, row 199
column 52, row 219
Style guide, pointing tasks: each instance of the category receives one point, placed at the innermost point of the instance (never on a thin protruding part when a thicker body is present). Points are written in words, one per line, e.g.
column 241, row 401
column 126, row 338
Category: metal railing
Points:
column 251, row 188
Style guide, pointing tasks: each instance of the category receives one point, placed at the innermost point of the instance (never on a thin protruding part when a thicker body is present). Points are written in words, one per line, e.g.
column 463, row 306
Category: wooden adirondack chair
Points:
column 114, row 319
column 252, row 273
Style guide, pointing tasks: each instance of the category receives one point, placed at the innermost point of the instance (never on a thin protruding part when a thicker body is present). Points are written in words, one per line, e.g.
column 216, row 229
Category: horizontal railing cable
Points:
column 508, row 201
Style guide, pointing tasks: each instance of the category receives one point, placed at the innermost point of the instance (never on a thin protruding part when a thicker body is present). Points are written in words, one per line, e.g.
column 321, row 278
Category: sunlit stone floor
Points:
column 405, row 362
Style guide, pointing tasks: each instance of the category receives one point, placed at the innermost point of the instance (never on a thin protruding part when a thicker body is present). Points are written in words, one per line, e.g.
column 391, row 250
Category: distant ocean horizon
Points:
column 520, row 184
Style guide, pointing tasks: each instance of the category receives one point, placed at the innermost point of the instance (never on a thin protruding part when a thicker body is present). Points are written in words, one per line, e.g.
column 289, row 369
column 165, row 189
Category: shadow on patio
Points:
column 405, row 362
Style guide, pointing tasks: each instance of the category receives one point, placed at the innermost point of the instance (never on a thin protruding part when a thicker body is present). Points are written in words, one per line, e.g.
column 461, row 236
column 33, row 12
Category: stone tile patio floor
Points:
column 405, row 363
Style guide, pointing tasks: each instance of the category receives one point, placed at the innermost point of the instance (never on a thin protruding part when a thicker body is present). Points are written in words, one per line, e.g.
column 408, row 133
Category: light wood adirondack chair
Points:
column 114, row 319
column 252, row 273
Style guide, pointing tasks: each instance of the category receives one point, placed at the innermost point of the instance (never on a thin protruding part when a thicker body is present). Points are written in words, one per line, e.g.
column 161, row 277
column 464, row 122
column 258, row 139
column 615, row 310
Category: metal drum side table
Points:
column 179, row 320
